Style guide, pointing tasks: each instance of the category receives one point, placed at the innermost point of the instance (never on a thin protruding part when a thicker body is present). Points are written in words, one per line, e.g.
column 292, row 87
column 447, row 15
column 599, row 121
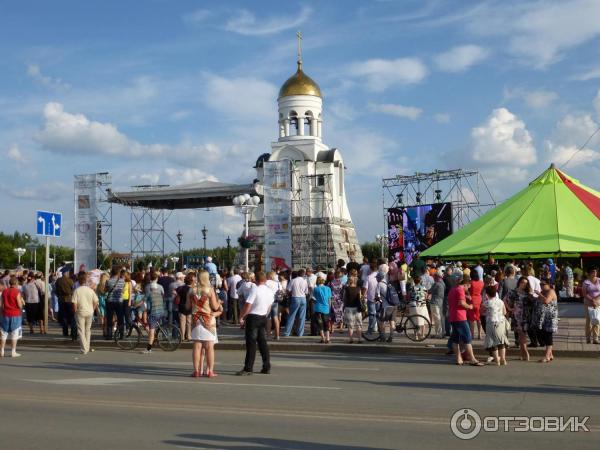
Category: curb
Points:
column 364, row 348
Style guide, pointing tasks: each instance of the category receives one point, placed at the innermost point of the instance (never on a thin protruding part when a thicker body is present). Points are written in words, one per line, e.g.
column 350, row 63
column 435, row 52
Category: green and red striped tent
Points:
column 555, row 215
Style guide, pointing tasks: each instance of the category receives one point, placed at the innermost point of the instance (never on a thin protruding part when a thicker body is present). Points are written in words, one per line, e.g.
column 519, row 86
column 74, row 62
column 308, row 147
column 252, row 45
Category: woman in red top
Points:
column 473, row 315
column 12, row 310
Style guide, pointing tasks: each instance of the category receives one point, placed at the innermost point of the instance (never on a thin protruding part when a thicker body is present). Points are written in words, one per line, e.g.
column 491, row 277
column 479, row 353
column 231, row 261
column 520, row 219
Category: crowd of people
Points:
column 464, row 302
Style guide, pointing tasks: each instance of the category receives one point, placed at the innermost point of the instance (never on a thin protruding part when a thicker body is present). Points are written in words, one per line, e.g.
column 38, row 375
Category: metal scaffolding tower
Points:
column 465, row 189
column 312, row 212
column 104, row 243
column 148, row 229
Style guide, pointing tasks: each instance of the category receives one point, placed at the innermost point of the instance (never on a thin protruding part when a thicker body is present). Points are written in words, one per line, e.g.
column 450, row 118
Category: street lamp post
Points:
column 204, row 231
column 246, row 204
column 228, row 240
column 179, row 237
column 20, row 252
column 382, row 240
column 175, row 259
column 32, row 247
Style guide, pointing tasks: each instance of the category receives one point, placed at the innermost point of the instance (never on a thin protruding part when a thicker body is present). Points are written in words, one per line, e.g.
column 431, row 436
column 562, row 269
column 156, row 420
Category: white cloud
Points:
column 44, row 192
column 442, row 117
column 503, row 139
column 590, row 74
column 15, row 154
column 186, row 176
column 535, row 99
column 245, row 22
column 75, row 134
column 64, row 132
column 540, row 33
column 380, row 74
column 459, row 59
column 406, row 112
column 569, row 134
column 34, row 71
column 242, row 99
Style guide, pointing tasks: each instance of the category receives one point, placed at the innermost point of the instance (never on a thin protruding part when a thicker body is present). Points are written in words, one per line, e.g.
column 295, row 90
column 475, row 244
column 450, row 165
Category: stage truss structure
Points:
column 104, row 217
column 466, row 190
column 148, row 233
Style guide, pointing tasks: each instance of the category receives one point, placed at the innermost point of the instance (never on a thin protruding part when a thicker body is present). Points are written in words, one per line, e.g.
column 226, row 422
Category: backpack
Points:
column 180, row 299
column 391, row 296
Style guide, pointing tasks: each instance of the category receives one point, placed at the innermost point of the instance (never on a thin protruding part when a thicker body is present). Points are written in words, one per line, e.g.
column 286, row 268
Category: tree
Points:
column 9, row 259
column 371, row 250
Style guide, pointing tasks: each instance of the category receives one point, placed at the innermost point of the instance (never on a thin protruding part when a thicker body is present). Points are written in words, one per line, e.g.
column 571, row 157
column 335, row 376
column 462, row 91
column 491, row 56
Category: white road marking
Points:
column 285, row 364
column 107, row 381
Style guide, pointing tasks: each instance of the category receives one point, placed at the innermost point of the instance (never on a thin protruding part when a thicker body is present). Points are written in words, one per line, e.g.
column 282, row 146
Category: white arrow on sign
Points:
column 55, row 226
column 43, row 222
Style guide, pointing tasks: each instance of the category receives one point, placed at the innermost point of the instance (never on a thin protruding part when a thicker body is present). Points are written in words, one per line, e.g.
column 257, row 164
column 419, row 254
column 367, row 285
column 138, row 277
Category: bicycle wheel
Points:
column 370, row 336
column 130, row 339
column 417, row 328
column 168, row 337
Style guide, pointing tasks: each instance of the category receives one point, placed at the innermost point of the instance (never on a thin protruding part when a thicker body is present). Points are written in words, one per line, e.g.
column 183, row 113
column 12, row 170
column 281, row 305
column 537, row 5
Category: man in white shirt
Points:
column 84, row 301
column 254, row 316
column 232, row 282
column 371, row 293
column 298, row 289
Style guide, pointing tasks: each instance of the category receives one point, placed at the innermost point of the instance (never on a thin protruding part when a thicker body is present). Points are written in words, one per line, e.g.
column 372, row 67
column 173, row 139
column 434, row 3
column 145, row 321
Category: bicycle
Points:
column 167, row 336
column 415, row 327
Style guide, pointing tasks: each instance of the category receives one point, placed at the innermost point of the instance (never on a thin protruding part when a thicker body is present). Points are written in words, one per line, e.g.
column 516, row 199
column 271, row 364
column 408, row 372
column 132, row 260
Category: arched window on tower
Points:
column 294, row 123
column 310, row 124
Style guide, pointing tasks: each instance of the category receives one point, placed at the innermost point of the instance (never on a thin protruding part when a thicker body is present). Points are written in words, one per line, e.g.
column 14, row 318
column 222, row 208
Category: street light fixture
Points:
column 179, row 237
column 20, row 252
column 204, row 231
column 228, row 240
column 32, row 247
column 246, row 204
column 175, row 259
column 382, row 239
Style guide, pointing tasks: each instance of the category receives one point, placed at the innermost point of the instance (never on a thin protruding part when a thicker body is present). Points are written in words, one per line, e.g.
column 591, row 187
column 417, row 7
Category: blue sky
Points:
column 174, row 92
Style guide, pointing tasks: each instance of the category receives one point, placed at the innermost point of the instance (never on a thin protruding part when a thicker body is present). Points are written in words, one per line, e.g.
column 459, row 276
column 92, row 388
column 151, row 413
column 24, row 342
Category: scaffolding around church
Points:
column 466, row 190
column 312, row 212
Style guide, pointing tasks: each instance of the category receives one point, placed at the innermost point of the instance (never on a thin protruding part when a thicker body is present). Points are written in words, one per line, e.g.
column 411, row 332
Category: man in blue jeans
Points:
column 298, row 289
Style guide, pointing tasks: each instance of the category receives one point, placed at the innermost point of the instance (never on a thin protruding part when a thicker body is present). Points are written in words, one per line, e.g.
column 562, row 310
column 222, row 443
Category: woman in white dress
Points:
column 496, row 325
column 205, row 308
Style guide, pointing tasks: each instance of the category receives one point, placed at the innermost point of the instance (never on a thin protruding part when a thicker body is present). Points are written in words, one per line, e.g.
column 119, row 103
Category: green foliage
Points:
column 9, row 259
column 371, row 250
column 219, row 255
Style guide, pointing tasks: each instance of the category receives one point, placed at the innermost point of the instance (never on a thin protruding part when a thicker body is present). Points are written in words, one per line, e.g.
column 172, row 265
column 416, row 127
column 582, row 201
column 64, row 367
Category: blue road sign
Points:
column 48, row 223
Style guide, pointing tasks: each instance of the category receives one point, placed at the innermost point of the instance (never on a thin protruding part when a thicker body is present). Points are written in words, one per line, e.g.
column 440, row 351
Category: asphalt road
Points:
column 55, row 398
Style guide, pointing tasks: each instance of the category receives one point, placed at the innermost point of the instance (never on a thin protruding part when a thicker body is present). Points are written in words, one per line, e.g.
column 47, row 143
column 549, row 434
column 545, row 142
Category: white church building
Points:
column 322, row 228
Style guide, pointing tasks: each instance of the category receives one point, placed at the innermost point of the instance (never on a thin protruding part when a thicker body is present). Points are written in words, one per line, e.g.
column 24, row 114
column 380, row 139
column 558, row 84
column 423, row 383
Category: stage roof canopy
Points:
column 205, row 194
column 554, row 216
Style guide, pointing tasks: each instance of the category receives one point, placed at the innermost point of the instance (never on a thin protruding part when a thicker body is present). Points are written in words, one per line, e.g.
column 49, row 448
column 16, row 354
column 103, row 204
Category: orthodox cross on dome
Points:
column 299, row 35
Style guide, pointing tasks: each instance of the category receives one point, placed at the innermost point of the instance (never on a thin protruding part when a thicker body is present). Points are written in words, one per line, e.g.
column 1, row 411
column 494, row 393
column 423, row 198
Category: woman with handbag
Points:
column 205, row 309
column 546, row 318
column 353, row 308
column 497, row 326
column 519, row 301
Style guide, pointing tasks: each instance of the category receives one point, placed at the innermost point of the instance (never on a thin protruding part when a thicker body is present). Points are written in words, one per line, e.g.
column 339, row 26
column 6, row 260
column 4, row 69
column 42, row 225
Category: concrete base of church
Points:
column 314, row 245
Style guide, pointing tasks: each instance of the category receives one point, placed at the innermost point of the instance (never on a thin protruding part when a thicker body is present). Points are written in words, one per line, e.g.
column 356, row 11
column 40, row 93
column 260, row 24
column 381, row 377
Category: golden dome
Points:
column 299, row 84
